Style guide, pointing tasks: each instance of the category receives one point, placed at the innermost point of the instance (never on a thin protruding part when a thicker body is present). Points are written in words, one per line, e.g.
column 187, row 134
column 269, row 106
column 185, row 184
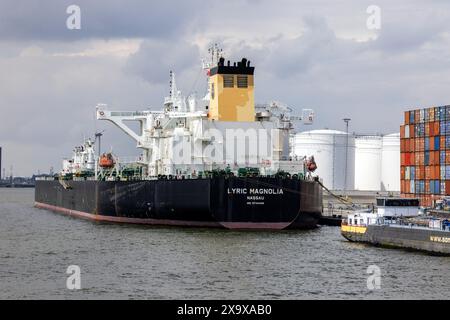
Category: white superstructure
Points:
column 83, row 160
column 220, row 131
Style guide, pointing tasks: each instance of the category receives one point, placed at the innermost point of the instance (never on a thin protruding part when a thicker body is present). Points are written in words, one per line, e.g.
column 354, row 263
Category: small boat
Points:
column 399, row 223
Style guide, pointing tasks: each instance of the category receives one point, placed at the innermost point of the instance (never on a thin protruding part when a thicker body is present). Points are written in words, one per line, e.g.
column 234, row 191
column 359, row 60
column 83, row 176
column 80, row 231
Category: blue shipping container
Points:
column 447, row 142
column 447, row 172
column 442, row 113
column 437, row 142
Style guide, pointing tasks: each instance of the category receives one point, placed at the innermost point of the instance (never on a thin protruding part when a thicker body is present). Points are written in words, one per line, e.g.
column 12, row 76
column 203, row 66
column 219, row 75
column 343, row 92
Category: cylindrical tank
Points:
column 368, row 151
column 329, row 150
column 390, row 163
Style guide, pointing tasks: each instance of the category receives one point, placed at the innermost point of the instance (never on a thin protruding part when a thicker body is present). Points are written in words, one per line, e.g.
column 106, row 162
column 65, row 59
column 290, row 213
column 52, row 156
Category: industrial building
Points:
column 352, row 162
column 425, row 154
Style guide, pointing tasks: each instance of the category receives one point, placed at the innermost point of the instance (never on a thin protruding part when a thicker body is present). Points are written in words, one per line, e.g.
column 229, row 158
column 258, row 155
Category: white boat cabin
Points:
column 387, row 208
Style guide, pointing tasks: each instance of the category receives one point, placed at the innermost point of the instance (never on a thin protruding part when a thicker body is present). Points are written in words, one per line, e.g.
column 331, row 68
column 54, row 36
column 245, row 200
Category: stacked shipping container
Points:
column 425, row 154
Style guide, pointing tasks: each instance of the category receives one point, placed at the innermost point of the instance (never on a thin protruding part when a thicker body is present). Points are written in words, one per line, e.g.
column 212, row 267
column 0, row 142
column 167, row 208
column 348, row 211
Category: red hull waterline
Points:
column 165, row 222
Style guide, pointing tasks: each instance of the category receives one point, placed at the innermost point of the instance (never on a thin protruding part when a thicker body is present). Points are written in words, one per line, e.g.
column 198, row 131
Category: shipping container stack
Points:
column 425, row 154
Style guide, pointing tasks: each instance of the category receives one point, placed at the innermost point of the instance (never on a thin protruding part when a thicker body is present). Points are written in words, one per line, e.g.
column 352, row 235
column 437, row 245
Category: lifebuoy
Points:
column 101, row 113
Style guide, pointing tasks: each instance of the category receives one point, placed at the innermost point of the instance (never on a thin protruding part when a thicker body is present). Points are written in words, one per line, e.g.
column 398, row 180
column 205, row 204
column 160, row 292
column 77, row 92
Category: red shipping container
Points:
column 436, row 157
column 412, row 146
column 436, row 128
column 447, row 187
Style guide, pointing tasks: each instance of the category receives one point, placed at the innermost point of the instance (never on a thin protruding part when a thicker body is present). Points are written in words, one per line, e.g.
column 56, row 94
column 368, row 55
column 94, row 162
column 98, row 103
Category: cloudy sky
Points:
column 317, row 54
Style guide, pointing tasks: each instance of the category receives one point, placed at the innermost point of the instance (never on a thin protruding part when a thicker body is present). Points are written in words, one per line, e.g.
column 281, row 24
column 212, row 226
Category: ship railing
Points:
column 129, row 160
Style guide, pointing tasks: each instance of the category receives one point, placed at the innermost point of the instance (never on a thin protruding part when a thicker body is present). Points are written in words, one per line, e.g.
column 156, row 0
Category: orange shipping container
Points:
column 427, row 129
column 442, row 142
column 417, row 116
column 407, row 187
column 402, row 132
column 402, row 173
column 447, row 157
column 432, row 143
column 421, row 158
column 406, row 117
column 412, row 145
column 437, row 172
column 436, row 128
column 428, row 173
column 436, row 157
column 431, row 161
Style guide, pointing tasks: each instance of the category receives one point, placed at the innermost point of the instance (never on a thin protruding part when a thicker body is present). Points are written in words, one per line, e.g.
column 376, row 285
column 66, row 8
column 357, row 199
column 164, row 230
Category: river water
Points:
column 141, row 262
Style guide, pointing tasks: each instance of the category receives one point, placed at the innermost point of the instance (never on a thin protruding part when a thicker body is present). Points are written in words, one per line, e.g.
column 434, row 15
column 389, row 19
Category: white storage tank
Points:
column 390, row 163
column 368, row 151
column 328, row 148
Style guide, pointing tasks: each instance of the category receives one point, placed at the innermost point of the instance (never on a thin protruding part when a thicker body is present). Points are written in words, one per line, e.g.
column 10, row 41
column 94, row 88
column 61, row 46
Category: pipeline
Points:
column 342, row 199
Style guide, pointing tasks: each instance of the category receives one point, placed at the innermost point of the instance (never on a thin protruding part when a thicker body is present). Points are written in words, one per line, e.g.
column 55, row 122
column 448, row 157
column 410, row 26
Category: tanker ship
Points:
column 213, row 161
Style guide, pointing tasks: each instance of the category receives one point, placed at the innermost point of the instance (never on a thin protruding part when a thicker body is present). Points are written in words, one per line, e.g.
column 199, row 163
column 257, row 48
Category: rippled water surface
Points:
column 136, row 262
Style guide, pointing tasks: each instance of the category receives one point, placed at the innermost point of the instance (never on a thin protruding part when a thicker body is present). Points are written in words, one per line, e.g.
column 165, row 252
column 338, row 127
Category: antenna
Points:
column 216, row 53
column 170, row 83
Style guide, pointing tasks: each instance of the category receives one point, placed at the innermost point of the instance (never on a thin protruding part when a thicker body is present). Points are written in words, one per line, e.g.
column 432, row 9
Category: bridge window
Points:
column 228, row 81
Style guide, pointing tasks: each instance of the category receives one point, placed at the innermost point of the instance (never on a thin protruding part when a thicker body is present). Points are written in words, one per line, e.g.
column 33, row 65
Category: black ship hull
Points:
column 232, row 203
column 421, row 239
